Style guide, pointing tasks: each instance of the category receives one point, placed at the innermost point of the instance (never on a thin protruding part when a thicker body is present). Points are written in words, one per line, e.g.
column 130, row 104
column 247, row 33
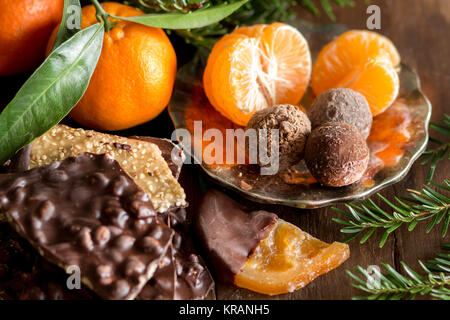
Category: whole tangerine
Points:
column 134, row 77
column 25, row 26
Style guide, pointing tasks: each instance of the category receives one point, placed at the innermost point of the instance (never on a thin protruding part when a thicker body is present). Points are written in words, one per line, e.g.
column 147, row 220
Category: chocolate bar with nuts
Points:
column 85, row 211
column 182, row 275
column 141, row 160
column 25, row 275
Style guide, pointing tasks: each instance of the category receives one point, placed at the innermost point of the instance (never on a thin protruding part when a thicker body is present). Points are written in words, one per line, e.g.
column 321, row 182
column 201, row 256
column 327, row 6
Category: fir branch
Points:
column 428, row 204
column 167, row 5
column 392, row 285
column 441, row 151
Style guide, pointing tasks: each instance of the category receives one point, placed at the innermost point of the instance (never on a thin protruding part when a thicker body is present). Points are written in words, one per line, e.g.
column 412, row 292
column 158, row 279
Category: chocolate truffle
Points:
column 294, row 128
column 336, row 154
column 342, row 105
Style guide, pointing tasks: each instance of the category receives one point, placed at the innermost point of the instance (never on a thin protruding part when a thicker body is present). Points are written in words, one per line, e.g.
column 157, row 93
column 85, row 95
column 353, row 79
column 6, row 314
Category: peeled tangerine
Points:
column 364, row 61
column 260, row 252
column 256, row 67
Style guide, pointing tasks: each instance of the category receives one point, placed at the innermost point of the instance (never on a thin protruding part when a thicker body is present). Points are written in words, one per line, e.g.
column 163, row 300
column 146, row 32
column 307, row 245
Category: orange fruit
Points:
column 364, row 61
column 288, row 259
column 134, row 78
column 256, row 67
column 25, row 26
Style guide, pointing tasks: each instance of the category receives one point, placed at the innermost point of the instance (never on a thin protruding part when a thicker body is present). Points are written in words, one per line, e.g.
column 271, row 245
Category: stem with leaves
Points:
column 103, row 16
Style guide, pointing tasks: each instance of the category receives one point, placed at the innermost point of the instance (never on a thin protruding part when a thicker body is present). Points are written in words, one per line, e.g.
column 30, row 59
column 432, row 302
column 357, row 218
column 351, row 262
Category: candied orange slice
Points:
column 361, row 60
column 288, row 259
column 256, row 67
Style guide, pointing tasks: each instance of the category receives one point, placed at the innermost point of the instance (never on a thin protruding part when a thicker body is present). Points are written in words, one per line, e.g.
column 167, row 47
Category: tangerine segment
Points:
column 288, row 259
column 339, row 57
column 345, row 57
column 286, row 53
column 256, row 67
column 377, row 81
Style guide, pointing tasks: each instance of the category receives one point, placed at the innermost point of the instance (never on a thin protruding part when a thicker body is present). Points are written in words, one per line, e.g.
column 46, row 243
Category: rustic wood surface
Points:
column 420, row 29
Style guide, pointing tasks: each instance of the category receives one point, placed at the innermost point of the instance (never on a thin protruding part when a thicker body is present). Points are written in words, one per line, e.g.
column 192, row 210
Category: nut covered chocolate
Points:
column 86, row 211
column 182, row 274
column 141, row 160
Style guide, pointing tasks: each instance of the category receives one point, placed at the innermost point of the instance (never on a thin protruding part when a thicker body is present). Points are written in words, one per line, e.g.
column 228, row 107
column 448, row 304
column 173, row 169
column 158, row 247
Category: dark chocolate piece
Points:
column 167, row 147
column 86, row 211
column 193, row 280
column 182, row 274
column 24, row 275
column 229, row 233
column 162, row 285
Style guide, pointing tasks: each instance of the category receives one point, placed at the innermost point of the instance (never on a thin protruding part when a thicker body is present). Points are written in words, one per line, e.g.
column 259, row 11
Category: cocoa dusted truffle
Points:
column 294, row 128
column 336, row 154
column 341, row 105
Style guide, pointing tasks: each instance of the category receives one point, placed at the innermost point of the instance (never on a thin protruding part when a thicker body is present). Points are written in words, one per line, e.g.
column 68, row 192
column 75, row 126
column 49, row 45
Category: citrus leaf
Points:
column 51, row 91
column 191, row 20
column 70, row 23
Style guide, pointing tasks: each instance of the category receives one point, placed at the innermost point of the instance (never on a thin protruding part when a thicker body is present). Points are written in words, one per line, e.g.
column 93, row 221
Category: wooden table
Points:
column 419, row 28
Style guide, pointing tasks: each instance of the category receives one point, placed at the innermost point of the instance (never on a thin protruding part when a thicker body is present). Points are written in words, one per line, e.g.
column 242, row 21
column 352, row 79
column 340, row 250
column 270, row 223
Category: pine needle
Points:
column 392, row 285
column 441, row 148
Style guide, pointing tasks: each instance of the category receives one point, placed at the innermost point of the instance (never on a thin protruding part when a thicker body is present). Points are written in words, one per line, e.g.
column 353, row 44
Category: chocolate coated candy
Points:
column 229, row 233
column 336, row 154
column 86, row 211
column 182, row 274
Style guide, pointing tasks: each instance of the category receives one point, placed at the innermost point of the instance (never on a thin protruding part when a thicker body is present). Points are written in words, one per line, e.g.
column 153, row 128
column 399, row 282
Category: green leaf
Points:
column 70, row 23
column 191, row 20
column 51, row 92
